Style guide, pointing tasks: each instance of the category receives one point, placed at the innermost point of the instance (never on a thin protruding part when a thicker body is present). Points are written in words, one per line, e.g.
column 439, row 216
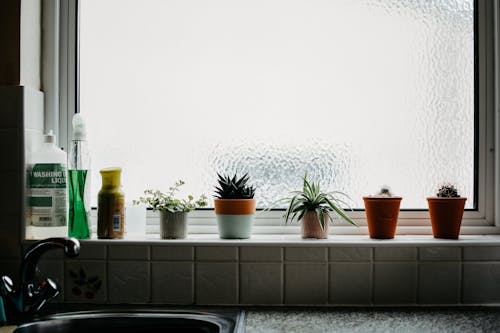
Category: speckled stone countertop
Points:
column 467, row 320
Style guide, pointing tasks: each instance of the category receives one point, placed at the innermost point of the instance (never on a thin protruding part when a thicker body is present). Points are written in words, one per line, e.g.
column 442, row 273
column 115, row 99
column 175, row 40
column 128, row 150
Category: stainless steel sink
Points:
column 140, row 321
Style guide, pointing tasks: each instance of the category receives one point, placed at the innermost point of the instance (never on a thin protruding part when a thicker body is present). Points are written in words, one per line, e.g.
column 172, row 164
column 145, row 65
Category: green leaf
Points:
column 289, row 210
column 301, row 215
column 342, row 214
column 321, row 218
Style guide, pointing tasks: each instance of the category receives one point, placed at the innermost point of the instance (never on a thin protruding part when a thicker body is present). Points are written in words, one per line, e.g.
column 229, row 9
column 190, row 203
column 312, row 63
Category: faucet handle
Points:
column 6, row 285
column 48, row 289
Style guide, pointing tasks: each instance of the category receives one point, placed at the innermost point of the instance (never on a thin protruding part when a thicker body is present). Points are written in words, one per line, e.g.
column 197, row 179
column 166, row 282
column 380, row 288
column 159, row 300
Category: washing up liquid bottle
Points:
column 47, row 191
column 79, row 182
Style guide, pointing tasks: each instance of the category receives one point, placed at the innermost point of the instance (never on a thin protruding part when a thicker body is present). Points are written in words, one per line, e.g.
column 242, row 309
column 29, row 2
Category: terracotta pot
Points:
column 446, row 216
column 234, row 206
column 310, row 227
column 382, row 216
column 235, row 217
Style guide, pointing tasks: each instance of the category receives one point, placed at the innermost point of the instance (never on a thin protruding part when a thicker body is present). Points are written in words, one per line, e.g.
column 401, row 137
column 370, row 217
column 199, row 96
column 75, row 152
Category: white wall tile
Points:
column 216, row 253
column 10, row 193
column 172, row 282
column 10, row 235
column 172, row 253
column 128, row 252
column 85, row 281
column 395, row 253
column 350, row 283
column 261, row 253
column 10, row 106
column 33, row 140
column 479, row 253
column 129, row 282
column 10, row 147
column 216, row 283
column 350, row 254
column 92, row 251
column 481, row 283
column 274, row 275
column 440, row 253
column 33, row 109
column 261, row 283
column 395, row 283
column 316, row 254
column 306, row 283
column 439, row 283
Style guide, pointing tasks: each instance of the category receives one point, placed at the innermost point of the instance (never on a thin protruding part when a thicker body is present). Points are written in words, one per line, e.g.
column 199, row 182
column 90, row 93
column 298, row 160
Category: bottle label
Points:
column 47, row 195
column 117, row 224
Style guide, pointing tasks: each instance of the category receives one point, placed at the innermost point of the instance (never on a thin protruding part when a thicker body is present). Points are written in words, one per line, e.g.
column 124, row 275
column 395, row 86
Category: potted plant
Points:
column 382, row 212
column 234, row 206
column 313, row 209
column 446, row 211
column 173, row 211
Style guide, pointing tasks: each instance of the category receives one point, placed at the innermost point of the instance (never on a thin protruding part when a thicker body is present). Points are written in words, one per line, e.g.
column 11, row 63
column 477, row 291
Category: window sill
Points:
column 295, row 240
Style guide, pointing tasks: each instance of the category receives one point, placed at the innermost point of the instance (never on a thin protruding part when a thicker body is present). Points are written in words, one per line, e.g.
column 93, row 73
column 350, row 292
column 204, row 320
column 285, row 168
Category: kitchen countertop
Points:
column 369, row 320
column 438, row 320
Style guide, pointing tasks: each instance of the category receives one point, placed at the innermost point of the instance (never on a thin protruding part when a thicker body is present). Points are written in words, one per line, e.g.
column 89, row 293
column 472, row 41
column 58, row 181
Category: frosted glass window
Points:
column 358, row 93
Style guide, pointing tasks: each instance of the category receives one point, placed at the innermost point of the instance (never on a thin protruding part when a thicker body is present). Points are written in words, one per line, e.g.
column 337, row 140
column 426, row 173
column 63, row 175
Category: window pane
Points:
column 358, row 93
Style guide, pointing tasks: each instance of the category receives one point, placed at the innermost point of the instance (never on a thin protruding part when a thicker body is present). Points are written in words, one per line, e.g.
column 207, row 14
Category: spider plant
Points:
column 312, row 199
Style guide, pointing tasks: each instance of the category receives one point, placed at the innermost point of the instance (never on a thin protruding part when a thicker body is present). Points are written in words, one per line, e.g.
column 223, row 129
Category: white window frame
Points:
column 60, row 86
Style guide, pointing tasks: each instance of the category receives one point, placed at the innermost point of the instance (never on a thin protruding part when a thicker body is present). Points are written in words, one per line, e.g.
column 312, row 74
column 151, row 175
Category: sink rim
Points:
column 227, row 320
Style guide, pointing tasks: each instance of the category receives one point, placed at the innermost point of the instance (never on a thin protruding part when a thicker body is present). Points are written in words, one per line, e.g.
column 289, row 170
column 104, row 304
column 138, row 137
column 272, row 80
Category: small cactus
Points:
column 447, row 191
column 385, row 191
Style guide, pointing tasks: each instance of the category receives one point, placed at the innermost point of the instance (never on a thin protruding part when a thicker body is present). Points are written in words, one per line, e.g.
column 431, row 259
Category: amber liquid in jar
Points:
column 111, row 205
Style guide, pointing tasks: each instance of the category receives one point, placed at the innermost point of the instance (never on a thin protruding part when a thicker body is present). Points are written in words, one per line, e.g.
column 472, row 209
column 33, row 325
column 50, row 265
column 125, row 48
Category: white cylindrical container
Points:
column 47, row 191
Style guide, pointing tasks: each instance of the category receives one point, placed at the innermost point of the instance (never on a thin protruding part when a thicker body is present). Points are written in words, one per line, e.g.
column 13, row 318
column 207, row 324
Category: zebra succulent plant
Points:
column 448, row 191
column 234, row 187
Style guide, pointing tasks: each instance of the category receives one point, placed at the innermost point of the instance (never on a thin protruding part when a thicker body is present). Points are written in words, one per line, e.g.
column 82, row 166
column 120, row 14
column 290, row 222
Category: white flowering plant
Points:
column 159, row 201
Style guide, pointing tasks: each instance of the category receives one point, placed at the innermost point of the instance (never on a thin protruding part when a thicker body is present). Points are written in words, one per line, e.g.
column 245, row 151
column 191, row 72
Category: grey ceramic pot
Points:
column 173, row 225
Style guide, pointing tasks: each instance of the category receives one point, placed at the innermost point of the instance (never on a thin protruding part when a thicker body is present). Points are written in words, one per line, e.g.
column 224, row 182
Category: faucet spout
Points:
column 32, row 293
column 28, row 291
column 71, row 248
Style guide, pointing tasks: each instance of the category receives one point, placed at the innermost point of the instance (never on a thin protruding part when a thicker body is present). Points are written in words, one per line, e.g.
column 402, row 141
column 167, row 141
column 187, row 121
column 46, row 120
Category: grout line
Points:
column 106, row 270
column 150, row 268
column 328, row 267
column 283, row 276
column 461, row 277
column 195, row 277
column 238, row 291
column 417, row 287
column 372, row 284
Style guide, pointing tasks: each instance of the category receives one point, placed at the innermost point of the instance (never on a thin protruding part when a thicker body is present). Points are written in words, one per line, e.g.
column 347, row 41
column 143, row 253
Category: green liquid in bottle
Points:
column 78, row 219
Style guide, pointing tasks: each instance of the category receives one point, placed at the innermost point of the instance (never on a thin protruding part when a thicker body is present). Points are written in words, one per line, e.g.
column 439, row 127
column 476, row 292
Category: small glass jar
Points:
column 111, row 205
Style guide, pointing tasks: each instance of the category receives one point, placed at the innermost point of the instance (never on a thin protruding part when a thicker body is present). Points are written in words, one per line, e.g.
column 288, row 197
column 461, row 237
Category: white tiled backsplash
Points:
column 278, row 275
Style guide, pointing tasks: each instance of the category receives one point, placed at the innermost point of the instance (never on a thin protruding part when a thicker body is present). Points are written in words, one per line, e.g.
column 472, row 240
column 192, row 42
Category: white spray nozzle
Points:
column 79, row 128
column 50, row 137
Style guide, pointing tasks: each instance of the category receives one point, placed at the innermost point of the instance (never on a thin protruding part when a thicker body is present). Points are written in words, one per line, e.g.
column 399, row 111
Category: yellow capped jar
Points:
column 111, row 205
